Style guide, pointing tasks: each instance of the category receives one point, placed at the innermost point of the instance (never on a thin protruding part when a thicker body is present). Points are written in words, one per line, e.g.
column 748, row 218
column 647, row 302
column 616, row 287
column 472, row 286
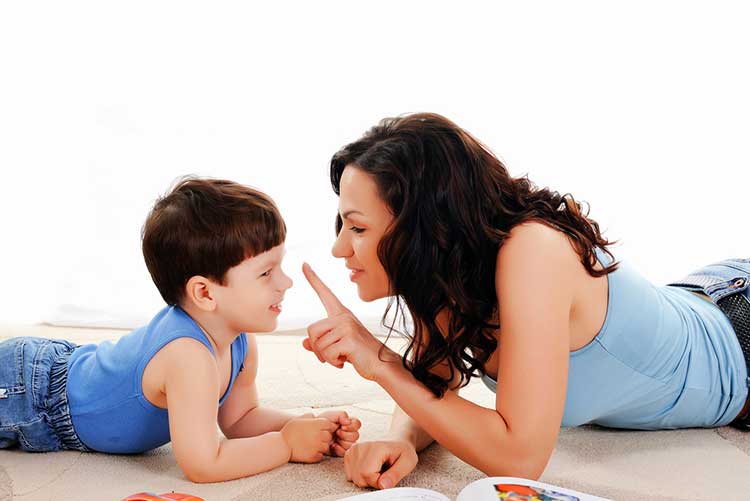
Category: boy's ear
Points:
column 199, row 292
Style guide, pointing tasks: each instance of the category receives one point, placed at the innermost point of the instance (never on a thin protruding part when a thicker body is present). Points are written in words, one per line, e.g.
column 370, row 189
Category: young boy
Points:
column 214, row 250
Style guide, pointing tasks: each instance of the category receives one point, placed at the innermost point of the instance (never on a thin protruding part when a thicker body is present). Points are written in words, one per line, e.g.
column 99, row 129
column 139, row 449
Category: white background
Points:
column 641, row 109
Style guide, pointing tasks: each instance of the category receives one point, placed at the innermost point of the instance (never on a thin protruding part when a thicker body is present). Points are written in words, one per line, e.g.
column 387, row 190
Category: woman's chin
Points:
column 368, row 295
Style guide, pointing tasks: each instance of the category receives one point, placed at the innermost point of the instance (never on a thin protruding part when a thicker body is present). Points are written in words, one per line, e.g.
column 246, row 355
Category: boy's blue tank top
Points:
column 664, row 358
column 107, row 405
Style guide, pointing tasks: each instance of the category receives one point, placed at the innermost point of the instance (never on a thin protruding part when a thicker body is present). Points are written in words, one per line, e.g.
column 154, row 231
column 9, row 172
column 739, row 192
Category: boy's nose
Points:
column 288, row 282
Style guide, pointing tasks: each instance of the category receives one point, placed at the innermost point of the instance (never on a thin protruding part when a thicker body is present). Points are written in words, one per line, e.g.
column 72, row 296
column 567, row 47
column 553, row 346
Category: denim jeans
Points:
column 34, row 411
column 728, row 280
column 719, row 280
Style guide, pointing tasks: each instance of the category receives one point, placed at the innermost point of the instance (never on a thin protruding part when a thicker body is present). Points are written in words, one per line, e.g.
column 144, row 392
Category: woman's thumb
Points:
column 393, row 475
column 385, row 482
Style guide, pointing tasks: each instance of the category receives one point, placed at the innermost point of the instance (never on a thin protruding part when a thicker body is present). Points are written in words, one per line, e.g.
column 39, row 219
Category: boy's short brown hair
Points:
column 204, row 227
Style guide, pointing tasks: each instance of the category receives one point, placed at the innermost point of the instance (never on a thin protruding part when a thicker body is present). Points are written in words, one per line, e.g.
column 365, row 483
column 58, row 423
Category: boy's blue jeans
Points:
column 34, row 411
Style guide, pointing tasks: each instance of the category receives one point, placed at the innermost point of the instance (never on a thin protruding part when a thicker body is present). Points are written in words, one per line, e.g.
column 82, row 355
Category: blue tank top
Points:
column 664, row 358
column 107, row 405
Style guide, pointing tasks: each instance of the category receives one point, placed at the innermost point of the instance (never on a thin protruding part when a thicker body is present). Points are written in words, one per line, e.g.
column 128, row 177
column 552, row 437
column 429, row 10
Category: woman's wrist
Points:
column 402, row 436
column 387, row 369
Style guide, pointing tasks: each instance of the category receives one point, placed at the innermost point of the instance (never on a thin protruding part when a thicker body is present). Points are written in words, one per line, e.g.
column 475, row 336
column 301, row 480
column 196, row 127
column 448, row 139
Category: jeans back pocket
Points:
column 12, row 368
column 14, row 408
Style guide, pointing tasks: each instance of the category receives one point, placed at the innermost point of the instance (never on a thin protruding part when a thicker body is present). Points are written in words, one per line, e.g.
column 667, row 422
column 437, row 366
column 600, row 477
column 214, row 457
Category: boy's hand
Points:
column 346, row 434
column 308, row 438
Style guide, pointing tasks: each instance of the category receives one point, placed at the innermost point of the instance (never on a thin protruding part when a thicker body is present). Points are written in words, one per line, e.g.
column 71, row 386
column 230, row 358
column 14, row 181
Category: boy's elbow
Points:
column 201, row 472
column 196, row 475
column 227, row 431
column 201, row 475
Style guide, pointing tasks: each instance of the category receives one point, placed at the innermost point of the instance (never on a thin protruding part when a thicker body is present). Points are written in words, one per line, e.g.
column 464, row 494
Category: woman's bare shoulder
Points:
column 536, row 259
column 536, row 240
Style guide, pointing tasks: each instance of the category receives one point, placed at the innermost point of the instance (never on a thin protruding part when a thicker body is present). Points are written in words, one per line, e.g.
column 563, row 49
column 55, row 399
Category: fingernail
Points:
column 386, row 483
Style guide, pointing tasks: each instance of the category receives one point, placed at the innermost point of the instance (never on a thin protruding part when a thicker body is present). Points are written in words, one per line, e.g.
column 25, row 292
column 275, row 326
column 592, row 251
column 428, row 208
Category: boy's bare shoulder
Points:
column 173, row 359
column 186, row 349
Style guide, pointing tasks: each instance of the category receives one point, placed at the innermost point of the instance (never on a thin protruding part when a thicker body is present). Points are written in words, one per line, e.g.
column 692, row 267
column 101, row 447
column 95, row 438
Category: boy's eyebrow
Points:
column 268, row 260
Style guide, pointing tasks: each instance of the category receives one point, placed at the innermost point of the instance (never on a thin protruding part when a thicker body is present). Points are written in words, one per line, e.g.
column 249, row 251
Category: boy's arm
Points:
column 241, row 415
column 192, row 389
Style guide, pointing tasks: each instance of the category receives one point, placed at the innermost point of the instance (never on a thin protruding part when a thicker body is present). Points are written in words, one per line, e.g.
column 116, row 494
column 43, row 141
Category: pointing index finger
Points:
column 330, row 302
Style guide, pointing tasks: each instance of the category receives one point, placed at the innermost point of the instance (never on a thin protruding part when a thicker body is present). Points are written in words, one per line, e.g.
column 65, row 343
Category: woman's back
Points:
column 664, row 358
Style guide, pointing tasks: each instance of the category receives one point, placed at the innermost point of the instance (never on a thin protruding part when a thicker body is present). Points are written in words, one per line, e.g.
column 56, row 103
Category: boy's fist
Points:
column 346, row 434
column 308, row 438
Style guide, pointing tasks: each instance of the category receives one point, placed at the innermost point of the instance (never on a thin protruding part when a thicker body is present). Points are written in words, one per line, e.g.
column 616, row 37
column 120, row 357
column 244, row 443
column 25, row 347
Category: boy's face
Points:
column 250, row 299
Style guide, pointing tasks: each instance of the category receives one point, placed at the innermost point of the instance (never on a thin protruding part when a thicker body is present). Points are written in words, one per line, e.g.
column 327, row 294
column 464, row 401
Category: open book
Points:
column 486, row 489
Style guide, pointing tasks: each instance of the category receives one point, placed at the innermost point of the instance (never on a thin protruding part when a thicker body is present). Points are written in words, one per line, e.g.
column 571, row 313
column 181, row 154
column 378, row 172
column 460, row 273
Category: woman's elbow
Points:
column 530, row 468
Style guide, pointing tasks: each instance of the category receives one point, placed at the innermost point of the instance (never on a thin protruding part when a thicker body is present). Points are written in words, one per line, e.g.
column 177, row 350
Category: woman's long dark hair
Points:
column 454, row 204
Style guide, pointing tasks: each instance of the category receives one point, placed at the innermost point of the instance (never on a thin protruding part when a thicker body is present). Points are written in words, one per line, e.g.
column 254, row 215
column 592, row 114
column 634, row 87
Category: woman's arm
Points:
column 405, row 428
column 383, row 463
column 536, row 270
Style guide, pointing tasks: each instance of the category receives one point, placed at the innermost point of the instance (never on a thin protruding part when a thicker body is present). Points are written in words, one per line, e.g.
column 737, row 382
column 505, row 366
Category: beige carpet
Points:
column 686, row 464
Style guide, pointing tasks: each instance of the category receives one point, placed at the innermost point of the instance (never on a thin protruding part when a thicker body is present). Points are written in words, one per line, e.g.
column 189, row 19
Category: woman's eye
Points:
column 356, row 229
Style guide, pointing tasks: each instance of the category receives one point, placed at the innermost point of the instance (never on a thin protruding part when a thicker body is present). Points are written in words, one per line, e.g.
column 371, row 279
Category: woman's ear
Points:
column 199, row 292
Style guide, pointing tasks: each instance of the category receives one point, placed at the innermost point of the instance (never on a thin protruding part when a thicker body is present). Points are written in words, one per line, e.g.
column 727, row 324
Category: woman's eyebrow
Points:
column 346, row 214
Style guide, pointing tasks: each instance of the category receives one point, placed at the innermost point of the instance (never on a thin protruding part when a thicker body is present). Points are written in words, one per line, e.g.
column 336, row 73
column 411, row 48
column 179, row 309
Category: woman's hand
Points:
column 341, row 337
column 379, row 464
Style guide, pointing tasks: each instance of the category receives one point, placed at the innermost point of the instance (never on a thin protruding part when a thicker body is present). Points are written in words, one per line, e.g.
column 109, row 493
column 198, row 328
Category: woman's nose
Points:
column 341, row 246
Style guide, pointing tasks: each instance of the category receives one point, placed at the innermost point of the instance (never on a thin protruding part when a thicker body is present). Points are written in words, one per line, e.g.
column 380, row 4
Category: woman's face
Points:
column 365, row 217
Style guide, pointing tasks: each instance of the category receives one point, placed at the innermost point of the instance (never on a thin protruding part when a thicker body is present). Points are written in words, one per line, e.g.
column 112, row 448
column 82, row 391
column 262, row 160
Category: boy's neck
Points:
column 216, row 330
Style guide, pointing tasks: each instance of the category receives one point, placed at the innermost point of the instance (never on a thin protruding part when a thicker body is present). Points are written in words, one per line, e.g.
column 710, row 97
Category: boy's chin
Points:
column 265, row 328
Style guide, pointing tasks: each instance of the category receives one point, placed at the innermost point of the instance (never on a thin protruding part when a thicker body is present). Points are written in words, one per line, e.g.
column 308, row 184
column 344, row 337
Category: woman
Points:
column 514, row 284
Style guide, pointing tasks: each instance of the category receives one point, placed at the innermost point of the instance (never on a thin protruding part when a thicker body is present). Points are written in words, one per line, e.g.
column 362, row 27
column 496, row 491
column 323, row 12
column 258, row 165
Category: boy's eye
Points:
column 356, row 229
column 265, row 273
